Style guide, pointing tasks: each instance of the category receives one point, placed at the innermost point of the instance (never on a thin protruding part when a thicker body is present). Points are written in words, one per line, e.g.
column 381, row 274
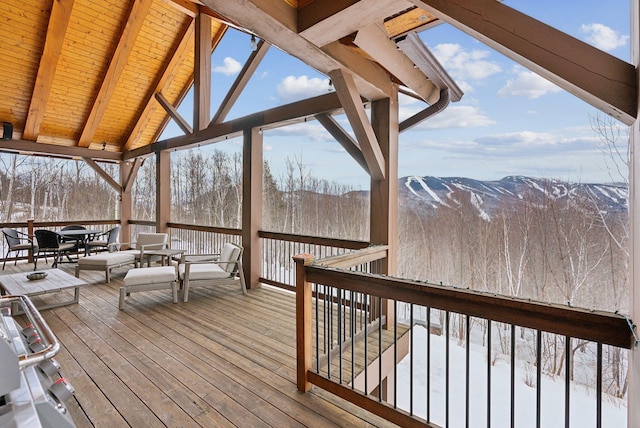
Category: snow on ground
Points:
column 583, row 403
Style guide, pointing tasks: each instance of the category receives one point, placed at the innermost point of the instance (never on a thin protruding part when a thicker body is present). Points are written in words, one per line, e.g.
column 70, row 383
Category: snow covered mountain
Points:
column 486, row 196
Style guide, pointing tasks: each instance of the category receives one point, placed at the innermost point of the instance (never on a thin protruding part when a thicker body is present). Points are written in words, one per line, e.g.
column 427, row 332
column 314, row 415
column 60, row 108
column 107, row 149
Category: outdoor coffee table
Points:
column 164, row 253
column 55, row 281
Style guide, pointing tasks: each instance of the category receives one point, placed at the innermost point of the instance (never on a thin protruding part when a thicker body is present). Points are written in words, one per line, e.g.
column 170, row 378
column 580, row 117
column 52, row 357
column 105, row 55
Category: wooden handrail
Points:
column 365, row 255
column 199, row 228
column 317, row 240
column 597, row 326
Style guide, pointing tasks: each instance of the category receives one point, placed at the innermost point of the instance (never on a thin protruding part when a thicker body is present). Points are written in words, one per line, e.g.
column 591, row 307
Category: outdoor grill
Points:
column 32, row 390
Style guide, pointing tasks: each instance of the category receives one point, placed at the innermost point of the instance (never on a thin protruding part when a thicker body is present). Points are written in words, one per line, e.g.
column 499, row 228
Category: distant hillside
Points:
column 486, row 196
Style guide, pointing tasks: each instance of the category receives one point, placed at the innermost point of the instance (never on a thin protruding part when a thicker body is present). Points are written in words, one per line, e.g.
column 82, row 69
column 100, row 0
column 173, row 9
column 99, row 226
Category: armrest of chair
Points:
column 199, row 258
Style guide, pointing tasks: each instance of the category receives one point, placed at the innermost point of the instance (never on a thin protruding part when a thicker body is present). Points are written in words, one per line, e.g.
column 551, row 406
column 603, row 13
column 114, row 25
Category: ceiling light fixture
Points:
column 253, row 44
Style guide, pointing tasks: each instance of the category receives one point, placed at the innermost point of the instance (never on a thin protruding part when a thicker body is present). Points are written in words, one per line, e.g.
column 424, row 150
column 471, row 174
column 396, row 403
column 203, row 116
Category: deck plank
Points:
column 222, row 359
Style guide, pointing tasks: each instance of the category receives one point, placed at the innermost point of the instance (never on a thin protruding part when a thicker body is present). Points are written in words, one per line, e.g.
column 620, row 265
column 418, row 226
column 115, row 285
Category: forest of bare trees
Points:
column 560, row 250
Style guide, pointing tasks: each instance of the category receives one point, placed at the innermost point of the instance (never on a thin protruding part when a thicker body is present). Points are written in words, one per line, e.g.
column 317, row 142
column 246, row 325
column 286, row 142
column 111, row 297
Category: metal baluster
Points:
column 467, row 332
column 538, row 377
column 339, row 313
column 599, row 386
column 567, row 381
column 395, row 354
column 428, row 395
column 379, row 349
column 489, row 328
column 411, row 353
column 513, row 376
column 446, row 375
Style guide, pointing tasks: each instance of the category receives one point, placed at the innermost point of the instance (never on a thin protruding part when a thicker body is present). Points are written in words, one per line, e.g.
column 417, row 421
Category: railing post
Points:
column 30, row 229
column 303, row 321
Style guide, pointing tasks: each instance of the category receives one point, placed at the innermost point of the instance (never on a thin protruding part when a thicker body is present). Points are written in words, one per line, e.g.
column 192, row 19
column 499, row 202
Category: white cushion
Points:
column 230, row 252
column 202, row 271
column 150, row 275
column 151, row 238
column 107, row 259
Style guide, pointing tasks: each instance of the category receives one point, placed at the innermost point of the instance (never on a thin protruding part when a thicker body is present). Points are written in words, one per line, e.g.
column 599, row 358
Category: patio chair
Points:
column 109, row 243
column 17, row 241
column 212, row 269
column 50, row 242
column 77, row 241
column 146, row 241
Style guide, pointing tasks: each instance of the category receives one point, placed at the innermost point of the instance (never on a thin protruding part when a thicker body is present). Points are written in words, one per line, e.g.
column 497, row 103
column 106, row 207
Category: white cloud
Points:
column 464, row 64
column 528, row 84
column 454, row 116
column 229, row 68
column 294, row 88
column 603, row 37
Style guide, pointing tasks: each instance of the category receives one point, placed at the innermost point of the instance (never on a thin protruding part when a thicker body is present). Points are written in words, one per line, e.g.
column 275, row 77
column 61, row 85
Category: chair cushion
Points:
column 150, row 275
column 230, row 252
column 203, row 271
column 21, row 247
column 97, row 243
column 107, row 259
column 151, row 238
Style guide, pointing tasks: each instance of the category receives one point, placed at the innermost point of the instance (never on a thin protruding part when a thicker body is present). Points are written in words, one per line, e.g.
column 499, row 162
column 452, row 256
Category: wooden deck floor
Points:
column 222, row 359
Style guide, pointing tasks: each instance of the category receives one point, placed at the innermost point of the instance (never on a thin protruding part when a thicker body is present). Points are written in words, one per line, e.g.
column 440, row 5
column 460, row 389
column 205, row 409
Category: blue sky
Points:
column 509, row 121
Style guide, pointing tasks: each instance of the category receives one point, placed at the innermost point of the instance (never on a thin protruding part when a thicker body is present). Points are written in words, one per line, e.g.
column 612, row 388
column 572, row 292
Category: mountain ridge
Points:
column 487, row 196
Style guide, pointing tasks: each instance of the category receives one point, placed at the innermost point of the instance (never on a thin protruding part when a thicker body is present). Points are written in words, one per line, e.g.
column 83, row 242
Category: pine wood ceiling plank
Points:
column 130, row 31
column 408, row 21
column 325, row 21
column 375, row 42
column 58, row 22
column 278, row 21
column 24, row 26
column 592, row 75
column 169, row 71
column 353, row 108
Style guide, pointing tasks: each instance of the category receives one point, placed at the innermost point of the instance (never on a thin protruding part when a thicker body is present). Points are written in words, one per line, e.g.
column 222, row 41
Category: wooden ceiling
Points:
column 85, row 73
column 101, row 76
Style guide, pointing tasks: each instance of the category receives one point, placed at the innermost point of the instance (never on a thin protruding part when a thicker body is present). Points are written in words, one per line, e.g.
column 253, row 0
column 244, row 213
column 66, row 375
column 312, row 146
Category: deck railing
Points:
column 278, row 250
column 472, row 356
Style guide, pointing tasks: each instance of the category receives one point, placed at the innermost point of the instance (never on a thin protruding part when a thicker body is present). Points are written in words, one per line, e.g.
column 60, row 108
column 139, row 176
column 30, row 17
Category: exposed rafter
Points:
column 279, row 20
column 165, row 77
column 56, row 30
column 353, row 108
column 31, row 147
column 241, row 81
column 105, row 176
column 173, row 112
column 375, row 42
column 322, row 22
column 342, row 137
column 275, row 117
column 128, row 36
column 596, row 77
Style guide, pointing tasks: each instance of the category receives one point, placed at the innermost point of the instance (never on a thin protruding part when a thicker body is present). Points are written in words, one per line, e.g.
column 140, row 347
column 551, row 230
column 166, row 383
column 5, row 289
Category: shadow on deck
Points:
column 222, row 359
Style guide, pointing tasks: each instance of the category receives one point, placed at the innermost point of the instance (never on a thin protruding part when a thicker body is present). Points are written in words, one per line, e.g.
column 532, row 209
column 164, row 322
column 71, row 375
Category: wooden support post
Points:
column 125, row 200
column 30, row 230
column 633, row 411
column 202, row 73
column 384, row 193
column 252, row 205
column 303, row 321
column 163, row 190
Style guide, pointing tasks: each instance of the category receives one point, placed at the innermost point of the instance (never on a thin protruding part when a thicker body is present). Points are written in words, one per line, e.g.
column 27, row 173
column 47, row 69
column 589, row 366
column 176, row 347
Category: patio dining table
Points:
column 81, row 235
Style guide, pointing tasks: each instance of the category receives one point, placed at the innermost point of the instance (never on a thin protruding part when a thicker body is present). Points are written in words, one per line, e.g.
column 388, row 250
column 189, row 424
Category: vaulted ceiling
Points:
column 104, row 76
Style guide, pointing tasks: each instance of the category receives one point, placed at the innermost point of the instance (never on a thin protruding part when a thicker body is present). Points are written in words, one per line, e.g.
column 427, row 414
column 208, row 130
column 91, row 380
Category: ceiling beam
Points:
column 324, row 21
column 241, row 82
column 215, row 40
column 278, row 20
column 102, row 173
column 165, row 77
column 173, row 112
column 31, row 147
column 202, row 73
column 56, row 30
column 118, row 62
column 365, row 135
column 272, row 118
column 375, row 42
column 596, row 77
column 343, row 137
column 131, row 177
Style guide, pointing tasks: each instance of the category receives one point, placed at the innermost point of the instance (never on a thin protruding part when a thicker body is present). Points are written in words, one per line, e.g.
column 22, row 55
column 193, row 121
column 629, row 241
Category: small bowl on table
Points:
column 33, row 276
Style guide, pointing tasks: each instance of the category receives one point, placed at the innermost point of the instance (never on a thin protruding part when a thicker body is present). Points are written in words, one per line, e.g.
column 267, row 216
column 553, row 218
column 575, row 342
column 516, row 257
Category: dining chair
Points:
column 50, row 242
column 76, row 240
column 17, row 242
column 106, row 244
